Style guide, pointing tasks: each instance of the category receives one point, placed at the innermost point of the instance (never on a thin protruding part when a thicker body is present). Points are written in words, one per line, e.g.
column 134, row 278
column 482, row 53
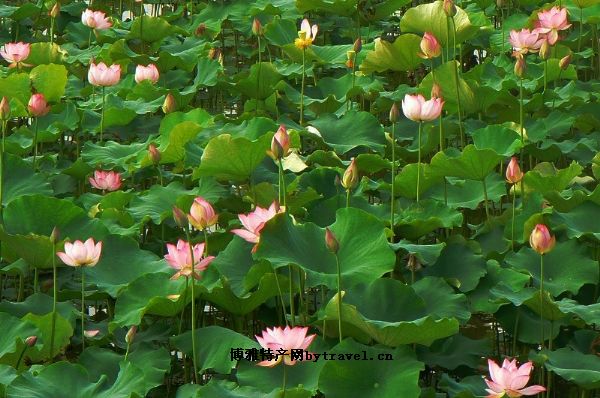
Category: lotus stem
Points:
column 195, row 378
column 35, row 139
column 184, row 303
column 512, row 229
column 485, row 200
column 302, row 88
column 542, row 303
column 54, row 299
column 280, row 296
column 347, row 197
column 460, row 124
column 102, row 115
column 393, row 199
column 419, row 160
column 258, row 75
column 82, row 309
column 339, row 286
column 282, row 192
column 522, row 131
column 291, row 295
column 284, row 379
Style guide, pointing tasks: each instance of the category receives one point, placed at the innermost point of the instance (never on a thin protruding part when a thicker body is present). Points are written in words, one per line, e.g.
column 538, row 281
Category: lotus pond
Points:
column 299, row 198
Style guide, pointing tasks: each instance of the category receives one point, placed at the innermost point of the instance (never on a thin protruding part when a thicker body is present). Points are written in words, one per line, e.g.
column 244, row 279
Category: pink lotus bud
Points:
column 106, row 180
column 149, row 72
column 91, row 333
column 394, row 113
column 417, row 109
column 154, row 153
column 4, row 109
column 513, row 171
column 202, row 214
column 37, row 105
column 130, row 334
column 15, row 53
column 541, row 240
column 449, row 8
column 95, row 19
column 103, row 75
column 180, row 217
column 280, row 144
column 357, row 45
column 331, row 241
column 256, row 27
column 520, row 67
column 81, row 254
column 350, row 177
column 436, row 91
column 430, row 46
column 30, row 341
column 55, row 10
column 565, row 61
column 170, row 105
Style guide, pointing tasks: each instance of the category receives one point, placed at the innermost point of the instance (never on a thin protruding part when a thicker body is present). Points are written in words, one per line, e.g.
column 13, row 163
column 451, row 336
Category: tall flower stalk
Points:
column 542, row 242
column 334, row 246
column 394, row 116
column 306, row 36
column 350, row 179
column 53, row 239
column 513, row 176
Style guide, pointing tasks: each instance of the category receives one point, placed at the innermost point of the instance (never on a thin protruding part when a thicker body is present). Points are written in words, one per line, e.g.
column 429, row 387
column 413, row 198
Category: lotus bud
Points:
column 520, row 66
column 201, row 29
column 170, row 105
column 256, row 27
column 55, row 10
column 331, row 241
column 130, row 334
column 513, row 171
column 565, row 61
column 430, row 46
column 55, row 235
column 30, row 341
column 280, row 143
column 436, row 91
column 545, row 50
column 350, row 58
column 394, row 113
column 413, row 264
column 541, row 240
column 180, row 217
column 449, row 8
column 357, row 45
column 154, row 153
column 350, row 177
column 4, row 109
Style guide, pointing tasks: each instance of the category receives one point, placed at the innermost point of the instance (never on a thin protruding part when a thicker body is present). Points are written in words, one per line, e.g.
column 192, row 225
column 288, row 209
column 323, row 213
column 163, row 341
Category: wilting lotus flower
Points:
column 306, row 34
column 513, row 171
column 541, row 240
column 510, row 380
column 95, row 19
column 179, row 257
column 551, row 21
column 278, row 340
column 15, row 53
column 520, row 65
column 417, row 109
column 280, row 144
column 106, row 180
column 254, row 222
column 102, row 75
column 202, row 215
column 149, row 72
column 37, row 105
column 430, row 46
column 80, row 254
column 525, row 41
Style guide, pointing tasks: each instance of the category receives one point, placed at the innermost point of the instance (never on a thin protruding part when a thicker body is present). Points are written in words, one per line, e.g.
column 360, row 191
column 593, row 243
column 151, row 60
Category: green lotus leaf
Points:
column 151, row 29
column 50, row 80
column 500, row 139
column 470, row 164
column 401, row 55
column 578, row 221
column 17, row 331
column 545, row 177
column 573, row 366
column 261, row 81
column 455, row 351
column 446, row 78
column 420, row 219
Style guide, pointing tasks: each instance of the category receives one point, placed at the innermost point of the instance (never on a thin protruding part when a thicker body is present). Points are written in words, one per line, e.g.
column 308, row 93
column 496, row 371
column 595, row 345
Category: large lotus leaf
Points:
column 566, row 268
column 364, row 253
column 15, row 333
column 374, row 378
column 528, row 325
column 64, row 331
column 393, row 313
column 578, row 221
column 261, row 81
column 530, row 297
column 172, row 146
column 352, row 130
column 338, row 7
column 455, row 351
column 151, row 29
column 112, row 154
column 208, row 71
column 20, row 179
column 401, row 55
column 422, row 218
column 432, row 18
column 446, row 78
column 28, row 223
column 500, row 139
column 46, row 53
column 590, row 314
column 471, row 163
column 406, row 180
column 18, row 13
column 228, row 389
column 427, row 254
column 460, row 265
column 575, row 367
column 216, row 348
column 154, row 294
column 49, row 80
column 121, row 262
column 228, row 158
column 545, row 177
column 16, row 86
column 52, row 382
column 468, row 387
column 469, row 193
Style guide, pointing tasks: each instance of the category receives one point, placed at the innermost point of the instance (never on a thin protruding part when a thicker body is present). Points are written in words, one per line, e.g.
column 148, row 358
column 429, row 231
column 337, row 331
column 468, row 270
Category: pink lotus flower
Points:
column 417, row 109
column 91, row 333
column 102, row 75
column 525, row 41
column 106, row 180
column 149, row 72
column 180, row 258
column 282, row 341
column 15, row 53
column 37, row 105
column 280, row 144
column 541, row 240
column 202, row 214
column 95, row 19
column 551, row 21
column 80, row 254
column 430, row 46
column 254, row 222
column 510, row 380
column 513, row 171
column 306, row 34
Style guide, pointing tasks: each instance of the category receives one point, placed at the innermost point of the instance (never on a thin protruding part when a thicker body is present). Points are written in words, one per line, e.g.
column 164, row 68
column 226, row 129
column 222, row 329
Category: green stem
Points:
column 127, row 352
column 35, row 138
column 339, row 304
column 542, row 302
column 347, row 197
column 284, row 379
column 485, row 200
column 184, row 304
column 2, row 151
column 419, row 161
column 302, row 88
column 280, row 295
column 515, row 332
column 258, row 75
column 102, row 115
column 82, row 309
column 54, row 299
column 205, row 242
column 283, row 188
column 580, row 36
column 393, row 198
column 51, row 30
column 90, row 38
column 21, row 357
column 194, row 356
column 291, row 295
column 512, row 229
column 522, row 133
column 545, row 77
